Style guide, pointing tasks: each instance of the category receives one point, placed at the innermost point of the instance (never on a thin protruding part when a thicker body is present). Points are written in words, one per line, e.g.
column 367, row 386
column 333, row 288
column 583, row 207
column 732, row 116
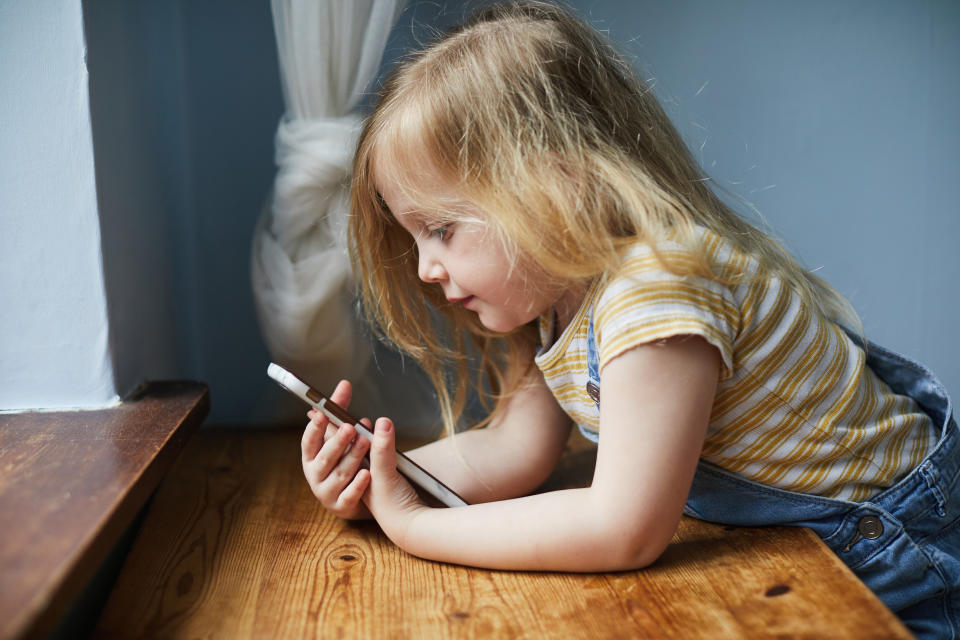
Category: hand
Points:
column 390, row 498
column 332, row 460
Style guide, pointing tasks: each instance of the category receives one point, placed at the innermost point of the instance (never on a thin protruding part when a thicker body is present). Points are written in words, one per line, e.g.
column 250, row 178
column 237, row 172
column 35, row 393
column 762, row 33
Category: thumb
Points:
column 383, row 452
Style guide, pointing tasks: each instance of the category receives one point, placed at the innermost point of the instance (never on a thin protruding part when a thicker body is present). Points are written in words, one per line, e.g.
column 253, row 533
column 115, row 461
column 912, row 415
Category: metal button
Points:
column 593, row 391
column 870, row 527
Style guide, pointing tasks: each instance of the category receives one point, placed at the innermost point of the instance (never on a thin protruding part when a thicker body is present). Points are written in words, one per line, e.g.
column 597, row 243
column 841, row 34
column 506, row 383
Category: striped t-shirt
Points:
column 796, row 407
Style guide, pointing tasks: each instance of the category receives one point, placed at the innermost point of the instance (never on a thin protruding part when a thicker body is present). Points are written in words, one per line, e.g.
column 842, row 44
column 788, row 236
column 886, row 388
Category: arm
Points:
column 510, row 457
column 654, row 414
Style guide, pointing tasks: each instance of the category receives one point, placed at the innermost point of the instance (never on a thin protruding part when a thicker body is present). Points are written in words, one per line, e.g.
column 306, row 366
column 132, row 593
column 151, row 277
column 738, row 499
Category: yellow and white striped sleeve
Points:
column 645, row 303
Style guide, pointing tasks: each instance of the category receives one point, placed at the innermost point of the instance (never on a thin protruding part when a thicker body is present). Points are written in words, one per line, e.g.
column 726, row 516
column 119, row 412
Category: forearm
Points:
column 510, row 457
column 484, row 465
column 571, row 530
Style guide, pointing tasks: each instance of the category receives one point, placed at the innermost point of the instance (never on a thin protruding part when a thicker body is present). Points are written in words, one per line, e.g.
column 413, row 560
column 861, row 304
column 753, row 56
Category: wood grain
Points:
column 70, row 483
column 235, row 546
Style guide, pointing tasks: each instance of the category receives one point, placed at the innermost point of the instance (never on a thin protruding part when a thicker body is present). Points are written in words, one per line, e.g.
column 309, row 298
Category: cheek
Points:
column 488, row 270
column 517, row 291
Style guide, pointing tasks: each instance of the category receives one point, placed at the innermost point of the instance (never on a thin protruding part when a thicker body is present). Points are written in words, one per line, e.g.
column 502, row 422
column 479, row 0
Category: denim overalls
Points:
column 903, row 543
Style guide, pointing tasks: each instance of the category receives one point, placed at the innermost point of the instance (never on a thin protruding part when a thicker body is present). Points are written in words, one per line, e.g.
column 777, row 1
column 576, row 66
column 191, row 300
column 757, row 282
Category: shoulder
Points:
column 662, row 291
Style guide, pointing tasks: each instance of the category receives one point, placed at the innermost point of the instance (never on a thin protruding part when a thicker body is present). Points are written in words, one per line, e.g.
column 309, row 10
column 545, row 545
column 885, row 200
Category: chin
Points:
column 500, row 325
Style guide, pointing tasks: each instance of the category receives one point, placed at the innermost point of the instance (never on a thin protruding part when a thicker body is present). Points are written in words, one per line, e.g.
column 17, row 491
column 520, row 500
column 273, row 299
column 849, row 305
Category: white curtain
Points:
column 329, row 52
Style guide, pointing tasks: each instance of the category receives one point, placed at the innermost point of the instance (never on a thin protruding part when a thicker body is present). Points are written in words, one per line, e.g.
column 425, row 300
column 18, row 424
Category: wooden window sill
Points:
column 71, row 482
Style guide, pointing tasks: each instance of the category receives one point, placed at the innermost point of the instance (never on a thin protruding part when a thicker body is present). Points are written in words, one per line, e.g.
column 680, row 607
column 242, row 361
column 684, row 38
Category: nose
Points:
column 429, row 269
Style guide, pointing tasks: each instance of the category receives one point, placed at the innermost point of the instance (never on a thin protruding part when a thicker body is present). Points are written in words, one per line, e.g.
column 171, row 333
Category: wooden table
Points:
column 236, row 546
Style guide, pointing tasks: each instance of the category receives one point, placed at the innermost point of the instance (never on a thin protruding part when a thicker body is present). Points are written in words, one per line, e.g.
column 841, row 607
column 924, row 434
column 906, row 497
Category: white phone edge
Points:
column 405, row 465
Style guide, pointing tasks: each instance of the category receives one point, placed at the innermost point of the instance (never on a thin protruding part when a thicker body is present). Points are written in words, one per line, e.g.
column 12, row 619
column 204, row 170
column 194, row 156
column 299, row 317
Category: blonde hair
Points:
column 530, row 114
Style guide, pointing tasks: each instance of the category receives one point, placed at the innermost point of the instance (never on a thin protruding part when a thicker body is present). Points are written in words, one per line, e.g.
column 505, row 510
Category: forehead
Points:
column 410, row 184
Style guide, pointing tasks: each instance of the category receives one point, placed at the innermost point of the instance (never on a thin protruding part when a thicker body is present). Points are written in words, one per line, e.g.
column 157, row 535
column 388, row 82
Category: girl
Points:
column 520, row 199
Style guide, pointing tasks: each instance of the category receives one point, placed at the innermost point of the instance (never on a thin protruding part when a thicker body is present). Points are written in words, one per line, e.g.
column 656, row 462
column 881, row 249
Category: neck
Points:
column 568, row 304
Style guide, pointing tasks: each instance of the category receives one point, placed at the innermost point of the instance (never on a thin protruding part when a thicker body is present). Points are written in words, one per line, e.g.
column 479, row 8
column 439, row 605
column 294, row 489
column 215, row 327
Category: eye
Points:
column 441, row 232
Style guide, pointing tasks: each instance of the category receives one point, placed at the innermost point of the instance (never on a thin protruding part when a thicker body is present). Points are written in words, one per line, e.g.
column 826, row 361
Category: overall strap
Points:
column 593, row 378
column 593, row 364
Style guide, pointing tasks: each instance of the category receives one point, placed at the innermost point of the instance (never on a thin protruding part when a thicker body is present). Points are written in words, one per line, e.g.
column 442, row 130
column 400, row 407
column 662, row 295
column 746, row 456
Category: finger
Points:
column 313, row 437
column 330, row 454
column 383, row 454
column 356, row 451
column 330, row 431
column 364, row 428
column 352, row 494
column 342, row 394
column 345, row 470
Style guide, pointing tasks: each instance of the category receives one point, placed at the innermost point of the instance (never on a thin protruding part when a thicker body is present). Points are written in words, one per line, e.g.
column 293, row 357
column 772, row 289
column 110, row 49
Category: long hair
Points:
column 532, row 115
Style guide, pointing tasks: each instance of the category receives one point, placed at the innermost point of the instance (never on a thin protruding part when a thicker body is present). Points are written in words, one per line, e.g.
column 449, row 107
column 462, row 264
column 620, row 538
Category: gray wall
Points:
column 185, row 99
column 837, row 120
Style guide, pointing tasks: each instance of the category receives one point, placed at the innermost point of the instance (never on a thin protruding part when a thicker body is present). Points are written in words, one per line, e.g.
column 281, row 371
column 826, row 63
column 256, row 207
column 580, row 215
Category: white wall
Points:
column 53, row 319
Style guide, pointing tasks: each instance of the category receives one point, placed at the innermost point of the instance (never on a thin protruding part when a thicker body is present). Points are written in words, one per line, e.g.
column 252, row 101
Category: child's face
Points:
column 468, row 262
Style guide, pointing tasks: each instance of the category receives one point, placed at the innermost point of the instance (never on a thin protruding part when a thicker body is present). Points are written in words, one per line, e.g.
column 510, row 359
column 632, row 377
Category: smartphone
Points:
column 338, row 416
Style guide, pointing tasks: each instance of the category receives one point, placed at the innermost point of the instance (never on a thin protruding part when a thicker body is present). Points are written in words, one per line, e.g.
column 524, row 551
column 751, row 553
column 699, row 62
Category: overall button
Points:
column 593, row 391
column 869, row 527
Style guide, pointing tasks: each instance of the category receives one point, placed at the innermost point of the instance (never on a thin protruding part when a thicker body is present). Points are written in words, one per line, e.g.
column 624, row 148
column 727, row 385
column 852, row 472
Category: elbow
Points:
column 645, row 554
column 632, row 545
column 630, row 556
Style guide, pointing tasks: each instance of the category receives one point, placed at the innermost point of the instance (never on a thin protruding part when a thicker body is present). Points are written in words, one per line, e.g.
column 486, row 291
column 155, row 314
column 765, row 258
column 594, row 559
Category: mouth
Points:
column 462, row 301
